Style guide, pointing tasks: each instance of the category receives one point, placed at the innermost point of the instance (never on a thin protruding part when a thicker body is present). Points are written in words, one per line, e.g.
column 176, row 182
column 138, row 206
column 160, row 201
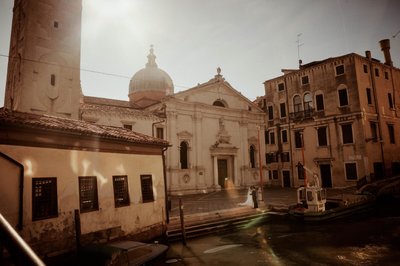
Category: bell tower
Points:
column 44, row 66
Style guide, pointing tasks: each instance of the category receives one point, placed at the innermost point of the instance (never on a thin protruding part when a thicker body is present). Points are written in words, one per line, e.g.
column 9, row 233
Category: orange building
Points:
column 338, row 117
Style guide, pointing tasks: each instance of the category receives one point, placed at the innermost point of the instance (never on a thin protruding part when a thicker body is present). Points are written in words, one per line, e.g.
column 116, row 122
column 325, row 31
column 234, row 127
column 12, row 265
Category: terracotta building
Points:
column 338, row 117
column 53, row 163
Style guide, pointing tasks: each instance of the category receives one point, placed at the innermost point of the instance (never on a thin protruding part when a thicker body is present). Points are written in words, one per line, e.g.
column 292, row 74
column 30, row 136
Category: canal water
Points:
column 365, row 240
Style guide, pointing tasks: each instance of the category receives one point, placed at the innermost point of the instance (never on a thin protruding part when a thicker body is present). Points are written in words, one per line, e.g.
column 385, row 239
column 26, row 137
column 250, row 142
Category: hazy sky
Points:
column 251, row 40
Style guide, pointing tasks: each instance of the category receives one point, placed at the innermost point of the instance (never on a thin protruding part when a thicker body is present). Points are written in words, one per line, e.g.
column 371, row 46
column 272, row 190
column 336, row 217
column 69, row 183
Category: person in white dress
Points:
column 249, row 199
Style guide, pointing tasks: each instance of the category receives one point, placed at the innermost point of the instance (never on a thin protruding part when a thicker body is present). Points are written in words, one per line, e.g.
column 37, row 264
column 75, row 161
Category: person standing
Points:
column 254, row 196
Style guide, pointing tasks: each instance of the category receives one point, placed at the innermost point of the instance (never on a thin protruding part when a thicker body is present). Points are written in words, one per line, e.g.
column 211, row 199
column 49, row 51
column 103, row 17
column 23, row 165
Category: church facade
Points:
column 213, row 130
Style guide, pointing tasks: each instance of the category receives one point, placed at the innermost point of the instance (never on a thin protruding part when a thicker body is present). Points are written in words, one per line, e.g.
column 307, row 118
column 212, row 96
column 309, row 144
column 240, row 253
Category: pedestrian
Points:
column 254, row 196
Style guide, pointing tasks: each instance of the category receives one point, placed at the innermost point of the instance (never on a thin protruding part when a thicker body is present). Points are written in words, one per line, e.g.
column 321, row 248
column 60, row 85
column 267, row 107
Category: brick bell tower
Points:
column 44, row 66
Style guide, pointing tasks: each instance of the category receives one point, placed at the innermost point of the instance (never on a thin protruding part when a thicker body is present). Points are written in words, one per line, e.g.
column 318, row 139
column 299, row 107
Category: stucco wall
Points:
column 67, row 166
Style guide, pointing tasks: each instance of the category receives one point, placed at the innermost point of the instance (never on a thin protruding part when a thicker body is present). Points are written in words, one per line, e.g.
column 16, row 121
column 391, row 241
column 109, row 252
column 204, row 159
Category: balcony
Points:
column 301, row 115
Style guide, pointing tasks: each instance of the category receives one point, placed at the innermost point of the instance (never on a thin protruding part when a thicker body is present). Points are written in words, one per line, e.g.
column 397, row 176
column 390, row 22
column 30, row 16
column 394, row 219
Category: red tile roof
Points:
column 66, row 125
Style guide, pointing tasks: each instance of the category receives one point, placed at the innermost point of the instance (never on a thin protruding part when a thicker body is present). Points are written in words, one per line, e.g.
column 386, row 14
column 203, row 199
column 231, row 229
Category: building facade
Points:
column 339, row 118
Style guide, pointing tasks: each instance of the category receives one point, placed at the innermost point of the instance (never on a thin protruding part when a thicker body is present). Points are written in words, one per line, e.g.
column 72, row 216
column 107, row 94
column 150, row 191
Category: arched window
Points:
column 252, row 157
column 297, row 103
column 219, row 103
column 308, row 104
column 184, row 155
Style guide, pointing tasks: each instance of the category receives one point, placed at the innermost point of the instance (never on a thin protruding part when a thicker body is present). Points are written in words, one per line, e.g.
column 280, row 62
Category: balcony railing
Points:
column 301, row 115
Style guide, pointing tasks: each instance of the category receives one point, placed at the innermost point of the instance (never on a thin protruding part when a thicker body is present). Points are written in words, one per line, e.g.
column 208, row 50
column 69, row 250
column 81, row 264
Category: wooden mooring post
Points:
column 182, row 222
column 77, row 229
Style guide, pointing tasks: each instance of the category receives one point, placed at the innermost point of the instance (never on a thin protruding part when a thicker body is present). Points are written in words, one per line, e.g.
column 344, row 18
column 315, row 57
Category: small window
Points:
column 374, row 131
column 347, row 134
column 270, row 112
column 147, row 188
column 390, row 99
column 322, row 136
column 128, row 126
column 266, row 135
column 184, row 155
column 285, row 157
column 55, row 24
column 160, row 132
column 351, row 171
column 252, row 157
column 343, row 100
column 386, row 75
column 300, row 171
column 339, row 70
column 53, row 80
column 275, row 174
column 281, row 86
column 283, row 110
column 270, row 157
column 298, row 139
column 88, row 197
column 391, row 134
column 365, row 68
column 272, row 137
column 319, row 98
column 369, row 96
column 121, row 191
column 44, row 198
column 284, row 136
column 219, row 103
column 376, row 72
column 304, row 80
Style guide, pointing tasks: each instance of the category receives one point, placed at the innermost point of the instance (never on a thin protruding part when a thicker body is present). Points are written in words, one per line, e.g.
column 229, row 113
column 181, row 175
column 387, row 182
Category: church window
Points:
column 184, row 155
column 126, row 126
column 121, row 192
column 147, row 188
column 88, row 197
column 219, row 103
column 160, row 133
column 44, row 198
column 53, row 80
column 252, row 157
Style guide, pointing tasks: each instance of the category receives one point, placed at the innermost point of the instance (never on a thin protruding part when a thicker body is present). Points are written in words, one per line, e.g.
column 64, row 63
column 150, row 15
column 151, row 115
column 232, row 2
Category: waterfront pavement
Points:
column 273, row 199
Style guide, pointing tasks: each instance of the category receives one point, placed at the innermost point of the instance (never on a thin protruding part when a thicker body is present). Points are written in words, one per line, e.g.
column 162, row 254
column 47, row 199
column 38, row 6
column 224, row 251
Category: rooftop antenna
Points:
column 397, row 33
column 299, row 44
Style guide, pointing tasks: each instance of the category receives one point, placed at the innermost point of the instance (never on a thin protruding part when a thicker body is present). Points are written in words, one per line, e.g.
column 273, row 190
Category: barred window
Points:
column 88, row 197
column 44, row 198
column 147, row 188
column 121, row 191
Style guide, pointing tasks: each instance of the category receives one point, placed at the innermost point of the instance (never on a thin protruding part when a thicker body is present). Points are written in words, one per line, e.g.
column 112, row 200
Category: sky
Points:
column 250, row 40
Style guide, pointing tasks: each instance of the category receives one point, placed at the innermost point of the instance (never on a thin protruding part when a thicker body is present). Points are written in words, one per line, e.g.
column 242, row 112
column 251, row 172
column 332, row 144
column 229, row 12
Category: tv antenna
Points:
column 299, row 44
column 397, row 33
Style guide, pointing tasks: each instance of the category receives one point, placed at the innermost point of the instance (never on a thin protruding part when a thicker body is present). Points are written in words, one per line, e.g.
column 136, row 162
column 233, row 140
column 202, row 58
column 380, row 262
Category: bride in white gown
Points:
column 249, row 200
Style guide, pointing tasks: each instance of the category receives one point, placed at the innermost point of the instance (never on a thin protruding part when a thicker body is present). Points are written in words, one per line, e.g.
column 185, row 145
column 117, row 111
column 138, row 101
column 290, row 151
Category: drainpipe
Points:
column 371, row 70
column 289, row 132
column 21, row 188
column 167, row 204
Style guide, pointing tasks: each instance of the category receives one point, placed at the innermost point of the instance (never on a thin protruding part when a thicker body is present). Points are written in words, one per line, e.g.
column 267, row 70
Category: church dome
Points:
column 150, row 84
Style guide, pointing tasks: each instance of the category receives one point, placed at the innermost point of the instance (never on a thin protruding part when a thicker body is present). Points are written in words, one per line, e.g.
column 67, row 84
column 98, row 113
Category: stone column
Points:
column 215, row 160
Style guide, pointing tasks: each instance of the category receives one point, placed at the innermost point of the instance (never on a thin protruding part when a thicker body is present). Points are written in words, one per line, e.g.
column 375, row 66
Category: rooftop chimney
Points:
column 385, row 47
column 368, row 54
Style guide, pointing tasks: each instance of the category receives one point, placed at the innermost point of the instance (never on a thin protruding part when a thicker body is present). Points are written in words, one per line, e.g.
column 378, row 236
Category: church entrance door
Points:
column 222, row 172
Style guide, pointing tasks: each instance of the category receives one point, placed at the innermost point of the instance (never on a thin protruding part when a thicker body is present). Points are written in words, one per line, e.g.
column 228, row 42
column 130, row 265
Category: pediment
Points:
column 184, row 134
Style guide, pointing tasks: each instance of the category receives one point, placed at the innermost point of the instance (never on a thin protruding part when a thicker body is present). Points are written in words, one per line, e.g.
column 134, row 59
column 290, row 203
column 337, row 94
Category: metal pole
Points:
column 18, row 248
column 260, row 164
column 302, row 155
column 182, row 222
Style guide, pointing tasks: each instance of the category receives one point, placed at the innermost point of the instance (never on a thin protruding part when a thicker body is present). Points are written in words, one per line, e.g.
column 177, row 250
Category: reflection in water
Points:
column 362, row 241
